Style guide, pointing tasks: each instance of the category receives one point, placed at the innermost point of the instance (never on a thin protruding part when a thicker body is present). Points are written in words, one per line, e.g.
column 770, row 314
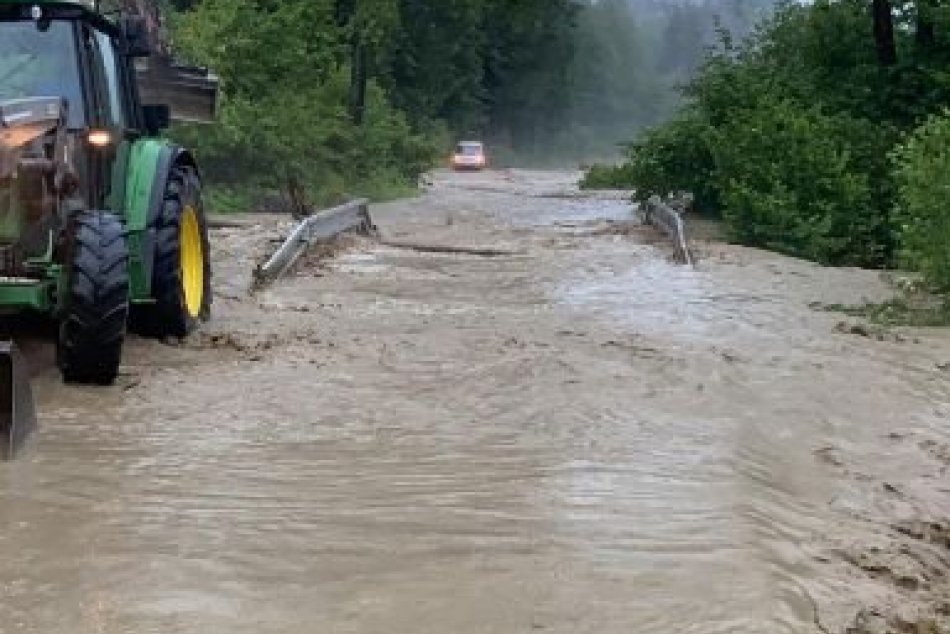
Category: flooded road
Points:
column 575, row 435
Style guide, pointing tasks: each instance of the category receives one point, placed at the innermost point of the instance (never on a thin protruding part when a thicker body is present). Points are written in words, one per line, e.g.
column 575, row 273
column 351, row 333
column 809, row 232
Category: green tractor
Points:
column 101, row 220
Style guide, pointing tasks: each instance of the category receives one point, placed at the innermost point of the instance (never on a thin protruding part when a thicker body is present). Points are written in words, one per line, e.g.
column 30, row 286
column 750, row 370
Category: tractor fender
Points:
column 150, row 164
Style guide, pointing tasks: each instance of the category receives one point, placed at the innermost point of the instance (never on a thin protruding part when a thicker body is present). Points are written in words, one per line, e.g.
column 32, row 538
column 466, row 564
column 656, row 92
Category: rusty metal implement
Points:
column 17, row 413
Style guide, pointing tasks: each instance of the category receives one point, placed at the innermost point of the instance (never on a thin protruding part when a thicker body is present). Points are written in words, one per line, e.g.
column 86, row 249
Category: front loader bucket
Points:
column 17, row 415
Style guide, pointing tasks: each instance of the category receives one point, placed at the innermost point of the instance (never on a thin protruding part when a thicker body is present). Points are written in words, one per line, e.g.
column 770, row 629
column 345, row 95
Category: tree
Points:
column 528, row 52
column 436, row 65
column 366, row 25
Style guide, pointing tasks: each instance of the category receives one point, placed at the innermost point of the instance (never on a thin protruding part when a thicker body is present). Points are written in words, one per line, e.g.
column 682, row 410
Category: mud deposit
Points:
column 548, row 427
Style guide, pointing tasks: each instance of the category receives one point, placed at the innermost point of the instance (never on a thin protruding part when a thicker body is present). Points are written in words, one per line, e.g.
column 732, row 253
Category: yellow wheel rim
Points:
column 192, row 262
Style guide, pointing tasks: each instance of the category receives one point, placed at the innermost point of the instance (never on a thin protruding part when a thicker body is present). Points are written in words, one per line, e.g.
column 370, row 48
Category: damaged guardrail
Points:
column 667, row 217
column 351, row 217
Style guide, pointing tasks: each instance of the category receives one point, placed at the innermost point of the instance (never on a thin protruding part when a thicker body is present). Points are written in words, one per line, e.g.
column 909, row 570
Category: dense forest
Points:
column 816, row 129
column 824, row 135
column 335, row 97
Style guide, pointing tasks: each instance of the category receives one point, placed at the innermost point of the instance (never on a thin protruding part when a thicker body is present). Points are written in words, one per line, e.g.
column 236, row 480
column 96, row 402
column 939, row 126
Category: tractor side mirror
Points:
column 136, row 37
column 157, row 117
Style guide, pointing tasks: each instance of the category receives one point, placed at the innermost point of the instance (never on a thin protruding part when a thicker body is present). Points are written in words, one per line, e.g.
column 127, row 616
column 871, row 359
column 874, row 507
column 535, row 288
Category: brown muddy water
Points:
column 575, row 435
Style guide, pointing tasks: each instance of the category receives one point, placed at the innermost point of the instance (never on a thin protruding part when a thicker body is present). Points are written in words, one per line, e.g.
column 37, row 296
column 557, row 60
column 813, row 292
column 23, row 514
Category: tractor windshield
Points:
column 38, row 62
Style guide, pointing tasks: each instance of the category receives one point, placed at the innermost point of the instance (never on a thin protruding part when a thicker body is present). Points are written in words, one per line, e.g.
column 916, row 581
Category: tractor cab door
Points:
column 111, row 117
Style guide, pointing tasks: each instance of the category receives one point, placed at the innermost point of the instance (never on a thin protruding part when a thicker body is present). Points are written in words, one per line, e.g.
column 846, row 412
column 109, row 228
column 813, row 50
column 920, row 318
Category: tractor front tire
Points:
column 181, row 275
column 96, row 306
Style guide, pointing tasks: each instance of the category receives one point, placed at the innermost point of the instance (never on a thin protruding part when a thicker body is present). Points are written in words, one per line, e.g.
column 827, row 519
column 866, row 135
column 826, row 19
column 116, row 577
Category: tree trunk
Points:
column 884, row 33
column 299, row 208
column 358, row 80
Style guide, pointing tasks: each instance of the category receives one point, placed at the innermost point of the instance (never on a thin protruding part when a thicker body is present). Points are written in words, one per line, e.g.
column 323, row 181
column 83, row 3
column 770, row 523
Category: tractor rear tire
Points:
column 181, row 275
column 96, row 307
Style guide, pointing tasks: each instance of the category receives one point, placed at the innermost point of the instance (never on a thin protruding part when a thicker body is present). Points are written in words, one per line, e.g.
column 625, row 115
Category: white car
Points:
column 469, row 155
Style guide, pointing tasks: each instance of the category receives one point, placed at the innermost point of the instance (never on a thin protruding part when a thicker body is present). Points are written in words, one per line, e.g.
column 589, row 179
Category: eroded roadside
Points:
column 552, row 428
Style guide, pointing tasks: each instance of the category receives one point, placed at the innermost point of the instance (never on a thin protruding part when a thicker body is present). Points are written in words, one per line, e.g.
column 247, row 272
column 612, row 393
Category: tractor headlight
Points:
column 99, row 139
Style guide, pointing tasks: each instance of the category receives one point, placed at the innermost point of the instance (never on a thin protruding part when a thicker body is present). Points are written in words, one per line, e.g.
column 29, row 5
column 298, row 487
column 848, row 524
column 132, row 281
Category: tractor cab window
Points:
column 114, row 105
column 38, row 62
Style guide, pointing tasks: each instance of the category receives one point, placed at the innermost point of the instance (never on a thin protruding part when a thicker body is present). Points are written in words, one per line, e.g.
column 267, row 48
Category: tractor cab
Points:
column 68, row 52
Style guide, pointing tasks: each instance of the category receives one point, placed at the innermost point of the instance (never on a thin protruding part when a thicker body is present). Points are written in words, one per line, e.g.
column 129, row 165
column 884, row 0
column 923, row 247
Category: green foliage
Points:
column 573, row 92
column 787, row 136
column 606, row 177
column 284, row 121
column 539, row 80
column 293, row 72
column 435, row 68
column 529, row 49
column 261, row 47
column 615, row 88
column 787, row 182
column 922, row 166
column 673, row 158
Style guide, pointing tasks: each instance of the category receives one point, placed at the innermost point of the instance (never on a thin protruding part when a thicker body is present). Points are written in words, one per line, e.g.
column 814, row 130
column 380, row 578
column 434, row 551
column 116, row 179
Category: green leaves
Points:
column 286, row 68
column 261, row 46
column 788, row 138
column 787, row 182
column 284, row 118
column 675, row 157
column 922, row 165
column 435, row 68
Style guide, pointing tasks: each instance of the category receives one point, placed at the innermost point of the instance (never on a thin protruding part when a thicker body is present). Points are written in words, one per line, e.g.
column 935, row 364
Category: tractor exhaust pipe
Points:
column 17, row 414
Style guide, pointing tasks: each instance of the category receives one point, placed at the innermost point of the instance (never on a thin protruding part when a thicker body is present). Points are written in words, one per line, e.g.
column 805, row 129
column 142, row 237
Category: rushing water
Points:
column 579, row 437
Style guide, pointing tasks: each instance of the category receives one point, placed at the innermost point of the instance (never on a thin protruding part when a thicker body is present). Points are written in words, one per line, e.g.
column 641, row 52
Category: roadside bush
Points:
column 788, row 182
column 922, row 166
column 607, row 177
column 675, row 157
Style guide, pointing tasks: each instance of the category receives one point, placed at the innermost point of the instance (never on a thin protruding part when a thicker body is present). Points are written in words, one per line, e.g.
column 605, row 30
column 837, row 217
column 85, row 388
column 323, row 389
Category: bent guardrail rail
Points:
column 351, row 217
column 666, row 218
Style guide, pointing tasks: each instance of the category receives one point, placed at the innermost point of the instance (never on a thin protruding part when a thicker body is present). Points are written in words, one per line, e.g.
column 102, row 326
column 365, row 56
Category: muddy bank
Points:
column 546, row 426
